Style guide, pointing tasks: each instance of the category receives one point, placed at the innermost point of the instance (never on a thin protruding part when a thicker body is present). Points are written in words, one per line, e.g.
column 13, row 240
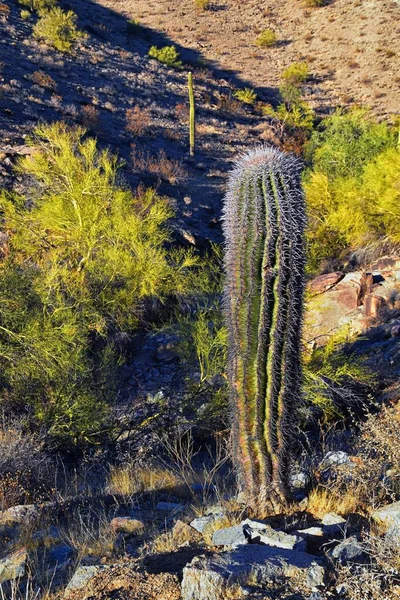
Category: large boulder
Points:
column 388, row 516
column 221, row 575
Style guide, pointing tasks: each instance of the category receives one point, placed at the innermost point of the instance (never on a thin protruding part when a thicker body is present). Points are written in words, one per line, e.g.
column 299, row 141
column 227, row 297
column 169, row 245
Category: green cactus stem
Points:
column 264, row 221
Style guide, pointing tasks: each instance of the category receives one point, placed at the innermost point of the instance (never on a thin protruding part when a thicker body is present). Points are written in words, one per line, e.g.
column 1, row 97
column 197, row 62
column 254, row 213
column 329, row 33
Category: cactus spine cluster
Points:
column 264, row 221
column 191, row 114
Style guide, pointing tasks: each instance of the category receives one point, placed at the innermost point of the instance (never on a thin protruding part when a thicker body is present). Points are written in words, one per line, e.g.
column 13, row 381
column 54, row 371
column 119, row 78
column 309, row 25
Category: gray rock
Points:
column 22, row 513
column 81, row 578
column 334, row 459
column 388, row 515
column 311, row 532
column 60, row 554
column 170, row 507
column 299, row 480
column 217, row 576
column 230, row 536
column 315, row 576
column 259, row 532
column 349, row 551
column 201, row 523
column 333, row 524
column 13, row 565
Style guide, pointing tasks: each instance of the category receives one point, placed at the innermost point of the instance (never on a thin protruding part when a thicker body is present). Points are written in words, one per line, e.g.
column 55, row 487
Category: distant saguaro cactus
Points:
column 191, row 114
column 264, row 221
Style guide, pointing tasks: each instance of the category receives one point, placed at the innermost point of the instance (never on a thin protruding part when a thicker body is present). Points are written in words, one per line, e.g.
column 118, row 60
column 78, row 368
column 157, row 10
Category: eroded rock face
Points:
column 220, row 576
column 388, row 515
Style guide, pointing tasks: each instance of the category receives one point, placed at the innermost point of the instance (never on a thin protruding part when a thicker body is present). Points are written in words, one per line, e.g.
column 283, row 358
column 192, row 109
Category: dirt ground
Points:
column 352, row 47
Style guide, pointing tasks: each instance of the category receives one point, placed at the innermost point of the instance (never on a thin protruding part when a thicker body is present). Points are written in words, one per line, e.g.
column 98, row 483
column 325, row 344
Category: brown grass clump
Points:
column 89, row 117
column 160, row 165
column 127, row 480
column 138, row 121
column 44, row 80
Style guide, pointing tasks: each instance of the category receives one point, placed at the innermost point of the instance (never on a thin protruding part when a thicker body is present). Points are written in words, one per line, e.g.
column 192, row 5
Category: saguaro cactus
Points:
column 191, row 114
column 264, row 220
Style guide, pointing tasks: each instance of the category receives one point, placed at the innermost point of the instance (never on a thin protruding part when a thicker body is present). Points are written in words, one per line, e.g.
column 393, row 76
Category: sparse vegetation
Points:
column 267, row 39
column 58, row 29
column 246, row 95
column 203, row 4
column 168, row 55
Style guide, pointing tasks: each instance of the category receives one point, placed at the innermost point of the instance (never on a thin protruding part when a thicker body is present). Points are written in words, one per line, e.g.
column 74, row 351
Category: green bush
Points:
column 296, row 73
column 83, row 261
column 352, row 188
column 267, row 39
column 247, row 95
column 203, row 4
column 58, row 29
column 38, row 4
column 168, row 55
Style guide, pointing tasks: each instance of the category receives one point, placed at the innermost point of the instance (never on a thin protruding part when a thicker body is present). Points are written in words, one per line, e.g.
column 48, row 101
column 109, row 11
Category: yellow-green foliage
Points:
column 353, row 189
column 267, row 38
column 296, row 73
column 168, row 55
column 58, row 28
column 330, row 373
column 247, row 95
column 82, row 260
column 38, row 4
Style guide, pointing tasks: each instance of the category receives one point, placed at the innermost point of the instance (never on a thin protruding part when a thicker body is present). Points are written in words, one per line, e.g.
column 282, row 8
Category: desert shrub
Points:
column 83, row 259
column 203, row 4
column 44, row 80
column 138, row 121
column 247, row 95
column 159, row 165
column 25, row 467
column 58, row 29
column 314, row 3
column 296, row 74
column 38, row 4
column 90, row 117
column 347, row 141
column 352, row 188
column 168, row 55
column 267, row 39
column 25, row 14
column 334, row 380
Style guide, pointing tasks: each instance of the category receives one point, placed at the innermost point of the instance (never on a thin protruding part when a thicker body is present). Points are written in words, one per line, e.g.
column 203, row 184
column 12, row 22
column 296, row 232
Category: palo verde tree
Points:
column 264, row 221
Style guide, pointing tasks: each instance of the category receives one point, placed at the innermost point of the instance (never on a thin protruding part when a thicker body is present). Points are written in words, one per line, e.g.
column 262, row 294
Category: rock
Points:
column 388, row 515
column 349, row 551
column 60, row 554
column 22, row 513
column 374, row 306
column 216, row 577
column 81, row 578
column 47, row 536
column 311, row 531
column 259, row 532
column 315, row 576
column 395, row 330
column 334, row 459
column 185, row 533
column 333, row 524
column 13, row 565
column 127, row 525
column 299, row 480
column 170, row 507
column 230, row 536
column 201, row 523
column 322, row 283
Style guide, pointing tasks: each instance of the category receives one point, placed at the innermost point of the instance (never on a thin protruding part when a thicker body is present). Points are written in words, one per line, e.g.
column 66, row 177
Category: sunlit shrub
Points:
column 58, row 29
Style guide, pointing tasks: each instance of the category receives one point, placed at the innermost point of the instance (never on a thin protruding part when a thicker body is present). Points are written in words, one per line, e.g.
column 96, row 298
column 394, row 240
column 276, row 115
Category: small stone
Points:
column 299, row 480
column 315, row 576
column 81, row 578
column 334, row 459
column 127, row 525
column 230, row 536
column 22, row 513
column 201, row 523
column 311, row 532
column 13, row 565
column 395, row 330
column 185, row 533
column 333, row 524
column 349, row 551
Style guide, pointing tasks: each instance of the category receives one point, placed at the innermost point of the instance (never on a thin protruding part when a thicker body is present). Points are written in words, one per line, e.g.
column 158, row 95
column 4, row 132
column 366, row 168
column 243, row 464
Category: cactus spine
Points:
column 191, row 114
column 264, row 221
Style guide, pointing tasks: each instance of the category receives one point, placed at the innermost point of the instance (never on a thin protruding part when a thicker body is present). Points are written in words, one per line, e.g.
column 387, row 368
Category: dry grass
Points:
column 89, row 116
column 44, row 80
column 160, row 165
column 128, row 480
column 343, row 502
